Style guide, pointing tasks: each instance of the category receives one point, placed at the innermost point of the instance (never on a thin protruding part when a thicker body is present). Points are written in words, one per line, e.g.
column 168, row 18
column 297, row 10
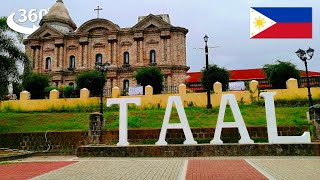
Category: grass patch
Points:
column 5, row 163
column 78, row 120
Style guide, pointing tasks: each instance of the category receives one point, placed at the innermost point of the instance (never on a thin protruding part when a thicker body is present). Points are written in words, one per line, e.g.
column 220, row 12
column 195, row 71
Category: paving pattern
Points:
column 222, row 169
column 290, row 168
column 162, row 168
column 27, row 170
column 129, row 169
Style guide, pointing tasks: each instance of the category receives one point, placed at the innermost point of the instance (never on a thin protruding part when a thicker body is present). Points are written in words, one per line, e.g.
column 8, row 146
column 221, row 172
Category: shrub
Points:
column 280, row 72
column 17, row 88
column 67, row 91
column 150, row 76
column 215, row 74
column 90, row 80
column 36, row 84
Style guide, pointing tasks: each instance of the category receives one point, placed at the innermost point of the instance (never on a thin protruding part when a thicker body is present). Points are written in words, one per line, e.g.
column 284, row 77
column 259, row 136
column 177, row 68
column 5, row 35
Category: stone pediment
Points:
column 97, row 25
column 46, row 31
column 152, row 22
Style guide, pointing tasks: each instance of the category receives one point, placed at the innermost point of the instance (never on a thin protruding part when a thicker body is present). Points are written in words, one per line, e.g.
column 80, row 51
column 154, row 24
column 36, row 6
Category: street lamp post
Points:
column 304, row 56
column 209, row 105
column 102, row 68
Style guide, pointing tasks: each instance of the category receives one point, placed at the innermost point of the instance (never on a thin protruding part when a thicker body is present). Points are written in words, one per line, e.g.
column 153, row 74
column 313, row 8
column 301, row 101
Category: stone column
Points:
column 33, row 53
column 141, row 50
column 169, row 80
column 137, row 52
column 55, row 59
column 58, row 56
column 110, row 47
column 96, row 125
column 81, row 56
column 109, row 83
column 114, row 82
column 65, row 58
column 37, row 64
column 115, row 52
column 168, row 51
column 86, row 55
column 41, row 59
column 162, row 45
column 61, row 57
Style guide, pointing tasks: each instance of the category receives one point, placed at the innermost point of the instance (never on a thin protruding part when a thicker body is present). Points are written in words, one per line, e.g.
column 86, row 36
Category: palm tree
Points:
column 10, row 54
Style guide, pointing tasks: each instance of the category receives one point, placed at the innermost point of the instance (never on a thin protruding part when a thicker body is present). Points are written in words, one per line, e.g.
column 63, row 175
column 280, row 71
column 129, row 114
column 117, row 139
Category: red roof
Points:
column 311, row 73
column 247, row 74
column 194, row 77
column 243, row 74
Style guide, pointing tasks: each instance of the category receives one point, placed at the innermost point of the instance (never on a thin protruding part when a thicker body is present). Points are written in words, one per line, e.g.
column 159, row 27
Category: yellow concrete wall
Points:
column 149, row 100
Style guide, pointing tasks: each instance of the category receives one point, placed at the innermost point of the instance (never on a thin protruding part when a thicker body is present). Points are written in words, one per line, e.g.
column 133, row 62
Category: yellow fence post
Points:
column 254, row 90
column 182, row 89
column 217, row 87
column 54, row 94
column 24, row 96
column 292, row 84
column 84, row 93
column 115, row 92
column 148, row 90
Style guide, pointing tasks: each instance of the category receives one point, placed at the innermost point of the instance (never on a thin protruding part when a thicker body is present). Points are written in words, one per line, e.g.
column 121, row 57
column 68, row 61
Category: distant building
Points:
column 194, row 78
column 60, row 49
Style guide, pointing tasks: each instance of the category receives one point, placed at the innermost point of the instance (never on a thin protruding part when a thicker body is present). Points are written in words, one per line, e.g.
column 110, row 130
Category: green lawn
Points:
column 141, row 118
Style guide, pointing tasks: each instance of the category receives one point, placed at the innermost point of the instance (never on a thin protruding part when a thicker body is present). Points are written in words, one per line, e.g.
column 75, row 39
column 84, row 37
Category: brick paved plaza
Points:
column 69, row 167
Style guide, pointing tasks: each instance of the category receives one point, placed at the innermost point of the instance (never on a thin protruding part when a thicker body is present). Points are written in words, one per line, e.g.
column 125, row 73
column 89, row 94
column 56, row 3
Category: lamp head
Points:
column 301, row 54
column 310, row 52
column 98, row 65
column 206, row 38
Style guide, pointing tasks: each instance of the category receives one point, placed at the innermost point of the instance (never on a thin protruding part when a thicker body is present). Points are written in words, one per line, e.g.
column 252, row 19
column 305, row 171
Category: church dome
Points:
column 59, row 18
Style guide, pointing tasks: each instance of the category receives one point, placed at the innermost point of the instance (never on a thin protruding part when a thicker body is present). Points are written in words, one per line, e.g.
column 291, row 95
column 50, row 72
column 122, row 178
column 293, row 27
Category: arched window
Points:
column 72, row 62
column 152, row 56
column 126, row 58
column 126, row 84
column 48, row 63
column 98, row 58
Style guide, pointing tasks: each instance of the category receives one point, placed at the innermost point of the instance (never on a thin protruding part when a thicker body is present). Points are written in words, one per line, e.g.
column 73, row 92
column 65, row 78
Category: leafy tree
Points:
column 150, row 76
column 10, row 55
column 90, row 80
column 280, row 72
column 17, row 88
column 215, row 73
column 36, row 84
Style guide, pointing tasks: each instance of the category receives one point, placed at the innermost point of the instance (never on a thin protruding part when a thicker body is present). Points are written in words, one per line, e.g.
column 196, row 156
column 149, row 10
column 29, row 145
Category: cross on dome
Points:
column 98, row 11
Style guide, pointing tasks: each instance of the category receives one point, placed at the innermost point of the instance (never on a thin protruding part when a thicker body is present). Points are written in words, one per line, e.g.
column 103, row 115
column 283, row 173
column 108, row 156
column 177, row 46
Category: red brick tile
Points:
column 221, row 169
column 22, row 171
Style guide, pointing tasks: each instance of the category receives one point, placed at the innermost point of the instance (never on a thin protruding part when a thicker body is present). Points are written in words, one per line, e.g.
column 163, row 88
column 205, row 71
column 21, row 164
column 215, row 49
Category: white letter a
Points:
column 239, row 123
column 183, row 125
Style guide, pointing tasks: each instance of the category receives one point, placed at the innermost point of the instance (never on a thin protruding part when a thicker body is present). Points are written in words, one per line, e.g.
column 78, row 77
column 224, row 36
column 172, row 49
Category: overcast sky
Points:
column 226, row 22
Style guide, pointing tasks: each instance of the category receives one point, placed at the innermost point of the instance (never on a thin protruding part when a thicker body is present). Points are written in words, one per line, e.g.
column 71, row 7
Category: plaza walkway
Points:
column 68, row 167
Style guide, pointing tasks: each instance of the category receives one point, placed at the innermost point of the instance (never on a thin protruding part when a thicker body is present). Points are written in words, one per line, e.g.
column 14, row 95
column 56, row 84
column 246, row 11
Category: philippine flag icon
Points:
column 280, row 22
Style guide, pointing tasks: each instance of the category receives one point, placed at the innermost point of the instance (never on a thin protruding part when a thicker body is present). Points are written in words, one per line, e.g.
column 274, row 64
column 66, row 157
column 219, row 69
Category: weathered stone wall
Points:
column 262, row 149
column 60, row 142
column 67, row 142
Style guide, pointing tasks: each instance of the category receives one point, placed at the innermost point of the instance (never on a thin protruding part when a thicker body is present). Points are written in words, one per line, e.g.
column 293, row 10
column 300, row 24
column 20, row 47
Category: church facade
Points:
column 60, row 49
